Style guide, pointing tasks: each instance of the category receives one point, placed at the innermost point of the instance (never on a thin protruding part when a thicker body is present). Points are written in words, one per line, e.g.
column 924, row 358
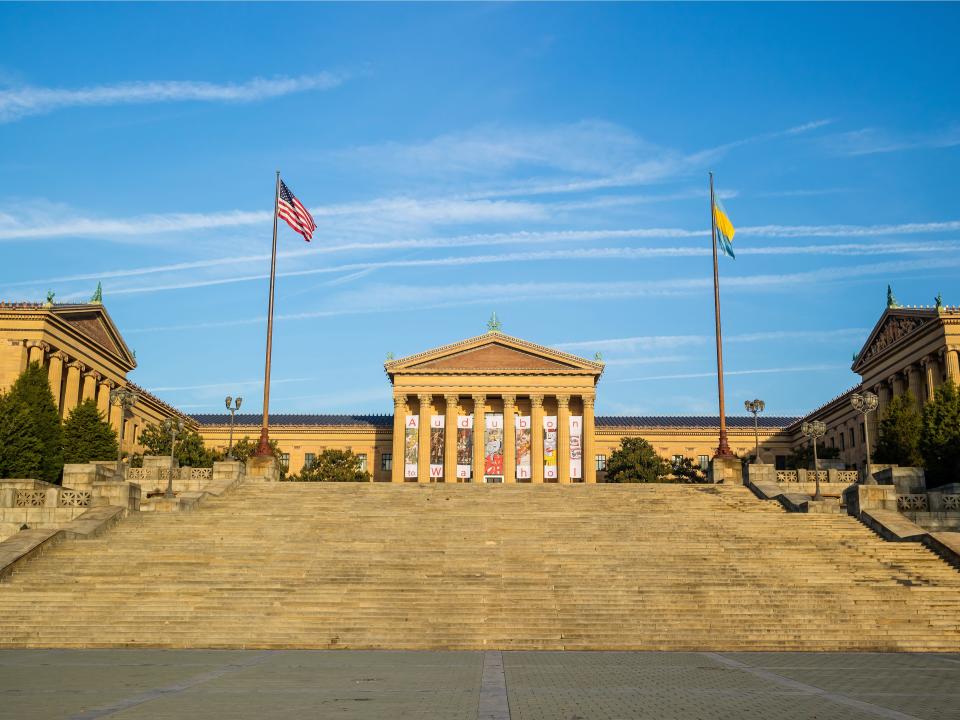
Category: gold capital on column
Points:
column 589, row 461
column 450, row 438
column 423, row 440
column 399, row 436
column 509, row 439
column 479, row 436
column 36, row 350
column 55, row 375
column 536, row 430
column 563, row 438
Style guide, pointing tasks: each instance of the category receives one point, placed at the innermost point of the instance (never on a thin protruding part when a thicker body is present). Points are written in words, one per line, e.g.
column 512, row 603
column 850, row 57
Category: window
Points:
column 363, row 461
column 284, row 461
column 386, row 461
column 601, row 462
column 780, row 462
column 677, row 459
column 704, row 462
column 308, row 459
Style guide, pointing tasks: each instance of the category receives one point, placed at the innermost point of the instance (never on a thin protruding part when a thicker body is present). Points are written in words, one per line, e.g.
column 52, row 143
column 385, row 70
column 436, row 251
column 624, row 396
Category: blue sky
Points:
column 548, row 162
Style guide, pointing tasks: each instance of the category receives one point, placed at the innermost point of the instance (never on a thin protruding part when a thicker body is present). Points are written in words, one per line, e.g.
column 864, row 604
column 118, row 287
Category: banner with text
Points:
column 524, row 447
column 410, row 446
column 576, row 447
column 436, row 447
column 464, row 446
column 493, row 446
column 550, row 447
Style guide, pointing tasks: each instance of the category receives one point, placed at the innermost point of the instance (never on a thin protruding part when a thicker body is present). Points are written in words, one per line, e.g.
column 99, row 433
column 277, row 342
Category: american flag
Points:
column 294, row 213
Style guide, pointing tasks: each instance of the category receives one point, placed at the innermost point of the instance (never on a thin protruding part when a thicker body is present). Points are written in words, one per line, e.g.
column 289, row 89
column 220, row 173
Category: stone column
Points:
column 399, row 419
column 36, row 351
column 72, row 394
column 128, row 434
column 90, row 380
column 929, row 365
column 563, row 438
column 536, row 435
column 953, row 364
column 423, row 439
column 589, row 446
column 896, row 384
column 913, row 385
column 116, row 418
column 509, row 439
column 450, row 439
column 883, row 399
column 103, row 397
column 55, row 375
column 479, row 430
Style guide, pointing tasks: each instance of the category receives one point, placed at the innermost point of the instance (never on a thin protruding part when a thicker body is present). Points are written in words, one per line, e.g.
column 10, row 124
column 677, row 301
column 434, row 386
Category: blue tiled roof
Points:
column 609, row 421
column 295, row 419
column 691, row 421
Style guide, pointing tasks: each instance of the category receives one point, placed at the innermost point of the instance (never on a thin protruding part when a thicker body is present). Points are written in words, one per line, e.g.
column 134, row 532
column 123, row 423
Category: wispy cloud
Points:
column 658, row 342
column 871, row 141
column 227, row 384
column 20, row 102
column 759, row 371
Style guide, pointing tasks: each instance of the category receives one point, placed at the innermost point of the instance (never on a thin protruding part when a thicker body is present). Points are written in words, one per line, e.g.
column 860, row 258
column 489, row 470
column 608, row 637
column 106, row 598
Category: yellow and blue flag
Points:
column 725, row 229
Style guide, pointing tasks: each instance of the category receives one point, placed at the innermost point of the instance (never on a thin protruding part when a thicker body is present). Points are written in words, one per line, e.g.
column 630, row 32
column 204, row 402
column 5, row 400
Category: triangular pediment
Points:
column 494, row 353
column 93, row 322
column 894, row 326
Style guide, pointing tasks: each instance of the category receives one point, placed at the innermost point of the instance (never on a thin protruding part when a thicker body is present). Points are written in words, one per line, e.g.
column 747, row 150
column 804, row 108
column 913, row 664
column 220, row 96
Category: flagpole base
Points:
column 263, row 446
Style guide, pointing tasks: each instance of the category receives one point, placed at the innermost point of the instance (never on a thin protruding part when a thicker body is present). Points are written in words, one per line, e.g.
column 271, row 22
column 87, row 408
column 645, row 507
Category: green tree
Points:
column 686, row 471
column 190, row 448
column 635, row 461
column 333, row 466
column 244, row 449
column 940, row 436
column 31, row 441
column 802, row 457
column 900, row 428
column 87, row 436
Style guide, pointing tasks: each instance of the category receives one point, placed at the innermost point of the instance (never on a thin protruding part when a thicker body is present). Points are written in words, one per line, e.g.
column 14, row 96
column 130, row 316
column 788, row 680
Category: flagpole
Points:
column 263, row 447
column 723, row 449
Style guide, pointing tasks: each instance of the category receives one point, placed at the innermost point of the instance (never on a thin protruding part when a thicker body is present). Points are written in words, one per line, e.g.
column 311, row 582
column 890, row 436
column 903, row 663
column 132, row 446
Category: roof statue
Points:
column 891, row 300
column 494, row 325
column 939, row 301
column 97, row 296
column 389, row 356
column 598, row 356
column 50, row 295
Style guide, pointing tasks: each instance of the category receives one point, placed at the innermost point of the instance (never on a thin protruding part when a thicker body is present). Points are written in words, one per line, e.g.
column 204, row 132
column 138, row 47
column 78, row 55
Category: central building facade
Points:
column 493, row 408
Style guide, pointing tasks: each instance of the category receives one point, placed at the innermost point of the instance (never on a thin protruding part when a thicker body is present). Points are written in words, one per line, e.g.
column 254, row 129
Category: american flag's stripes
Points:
column 294, row 213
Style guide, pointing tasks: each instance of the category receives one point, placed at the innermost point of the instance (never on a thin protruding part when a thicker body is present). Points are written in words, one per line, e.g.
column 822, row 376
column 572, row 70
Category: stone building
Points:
column 491, row 408
column 85, row 357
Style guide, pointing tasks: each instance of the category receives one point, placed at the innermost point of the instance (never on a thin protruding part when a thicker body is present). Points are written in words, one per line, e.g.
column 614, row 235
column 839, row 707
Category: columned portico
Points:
column 513, row 387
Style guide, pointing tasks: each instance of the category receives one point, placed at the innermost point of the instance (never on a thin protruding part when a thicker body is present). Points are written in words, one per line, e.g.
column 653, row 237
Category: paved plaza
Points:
column 361, row 685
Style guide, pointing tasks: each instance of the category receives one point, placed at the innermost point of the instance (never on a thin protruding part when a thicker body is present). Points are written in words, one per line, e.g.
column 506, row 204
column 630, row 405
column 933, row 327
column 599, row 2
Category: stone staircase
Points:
column 668, row 567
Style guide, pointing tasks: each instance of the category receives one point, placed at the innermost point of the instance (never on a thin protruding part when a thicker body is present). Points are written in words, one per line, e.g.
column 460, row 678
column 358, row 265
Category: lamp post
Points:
column 174, row 426
column 813, row 430
column 755, row 406
column 865, row 404
column 232, row 411
column 124, row 399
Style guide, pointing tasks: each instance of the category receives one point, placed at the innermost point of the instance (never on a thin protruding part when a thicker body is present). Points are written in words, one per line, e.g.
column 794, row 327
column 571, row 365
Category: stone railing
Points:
column 74, row 498
column 951, row 503
column 31, row 498
column 915, row 502
column 848, row 476
column 787, row 476
column 813, row 474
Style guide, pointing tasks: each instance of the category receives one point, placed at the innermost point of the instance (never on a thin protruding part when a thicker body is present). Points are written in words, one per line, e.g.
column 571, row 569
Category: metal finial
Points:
column 891, row 299
column 97, row 297
column 494, row 325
